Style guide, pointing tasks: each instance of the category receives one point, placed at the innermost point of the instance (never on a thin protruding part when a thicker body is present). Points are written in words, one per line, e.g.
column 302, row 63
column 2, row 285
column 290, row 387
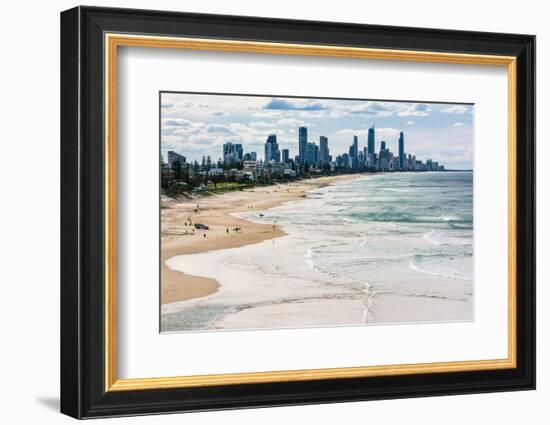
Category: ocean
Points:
column 378, row 249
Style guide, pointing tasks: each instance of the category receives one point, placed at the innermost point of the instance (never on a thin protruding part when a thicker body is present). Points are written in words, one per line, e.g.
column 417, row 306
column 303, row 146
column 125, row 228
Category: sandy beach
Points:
column 352, row 250
column 180, row 237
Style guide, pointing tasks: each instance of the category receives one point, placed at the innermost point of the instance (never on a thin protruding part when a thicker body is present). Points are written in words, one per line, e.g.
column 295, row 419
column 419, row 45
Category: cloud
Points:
column 218, row 129
column 374, row 109
column 194, row 105
column 381, row 133
column 383, row 109
column 176, row 122
column 282, row 104
column 458, row 124
column 267, row 114
column 352, row 132
column 415, row 109
column 391, row 133
column 197, row 125
column 455, row 109
column 261, row 124
column 187, row 104
column 293, row 122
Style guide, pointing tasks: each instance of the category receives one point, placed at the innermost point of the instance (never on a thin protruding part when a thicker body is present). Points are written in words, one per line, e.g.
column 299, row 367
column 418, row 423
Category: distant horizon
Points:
column 197, row 125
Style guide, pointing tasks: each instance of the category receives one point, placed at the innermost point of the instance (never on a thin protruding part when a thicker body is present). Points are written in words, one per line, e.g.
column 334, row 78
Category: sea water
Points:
column 362, row 251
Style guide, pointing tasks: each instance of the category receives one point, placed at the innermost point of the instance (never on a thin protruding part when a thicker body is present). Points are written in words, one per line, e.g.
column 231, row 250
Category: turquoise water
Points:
column 401, row 233
column 399, row 236
column 395, row 215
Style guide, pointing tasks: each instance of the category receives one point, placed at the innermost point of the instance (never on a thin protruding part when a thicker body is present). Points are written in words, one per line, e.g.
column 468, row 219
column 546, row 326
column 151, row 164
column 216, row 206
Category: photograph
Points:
column 293, row 212
column 302, row 208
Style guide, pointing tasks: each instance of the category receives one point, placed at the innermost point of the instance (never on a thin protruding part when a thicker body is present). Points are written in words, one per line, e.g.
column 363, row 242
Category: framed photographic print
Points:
column 261, row 212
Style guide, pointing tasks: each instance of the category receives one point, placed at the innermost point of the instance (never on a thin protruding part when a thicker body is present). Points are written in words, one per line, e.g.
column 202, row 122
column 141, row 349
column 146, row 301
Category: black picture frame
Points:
column 83, row 392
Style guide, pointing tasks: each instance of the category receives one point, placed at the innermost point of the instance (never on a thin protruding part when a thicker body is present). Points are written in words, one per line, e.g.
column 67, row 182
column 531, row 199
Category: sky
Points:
column 199, row 124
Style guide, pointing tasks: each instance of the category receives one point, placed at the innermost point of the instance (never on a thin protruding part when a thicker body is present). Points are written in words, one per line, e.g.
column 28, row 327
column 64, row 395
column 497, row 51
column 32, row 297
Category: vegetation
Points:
column 205, row 177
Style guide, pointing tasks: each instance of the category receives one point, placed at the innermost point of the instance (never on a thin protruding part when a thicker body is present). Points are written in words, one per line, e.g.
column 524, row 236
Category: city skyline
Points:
column 238, row 164
column 198, row 125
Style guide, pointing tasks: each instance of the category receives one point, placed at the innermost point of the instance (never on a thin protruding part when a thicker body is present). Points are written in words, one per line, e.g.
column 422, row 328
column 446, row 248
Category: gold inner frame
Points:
column 113, row 41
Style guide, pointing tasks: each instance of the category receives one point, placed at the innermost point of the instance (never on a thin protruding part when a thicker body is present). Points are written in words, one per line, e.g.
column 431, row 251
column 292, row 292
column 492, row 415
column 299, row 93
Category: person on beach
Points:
column 227, row 230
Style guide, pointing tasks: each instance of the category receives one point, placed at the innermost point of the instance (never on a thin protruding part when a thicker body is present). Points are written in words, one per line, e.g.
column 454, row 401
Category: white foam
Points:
column 440, row 272
column 326, row 258
column 438, row 238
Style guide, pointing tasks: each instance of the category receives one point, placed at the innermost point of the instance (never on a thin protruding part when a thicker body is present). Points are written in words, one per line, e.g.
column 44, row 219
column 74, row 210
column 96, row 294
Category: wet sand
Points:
column 179, row 236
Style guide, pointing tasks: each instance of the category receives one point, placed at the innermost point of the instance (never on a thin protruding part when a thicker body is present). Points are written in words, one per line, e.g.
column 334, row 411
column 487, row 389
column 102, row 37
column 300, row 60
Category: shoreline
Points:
column 178, row 237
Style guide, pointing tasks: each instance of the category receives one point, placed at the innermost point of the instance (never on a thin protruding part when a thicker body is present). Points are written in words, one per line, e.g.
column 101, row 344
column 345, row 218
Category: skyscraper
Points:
column 401, row 151
column 239, row 151
column 173, row 157
column 355, row 147
column 232, row 152
column 302, row 144
column 384, row 157
column 272, row 149
column 323, row 150
column 285, row 156
column 311, row 151
column 370, row 141
column 316, row 153
column 250, row 156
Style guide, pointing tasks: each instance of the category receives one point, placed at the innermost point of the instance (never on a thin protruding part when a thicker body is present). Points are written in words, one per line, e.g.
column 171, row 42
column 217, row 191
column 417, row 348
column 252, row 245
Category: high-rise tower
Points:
column 370, row 141
column 401, row 151
column 285, row 154
column 355, row 150
column 272, row 149
column 302, row 144
column 323, row 150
